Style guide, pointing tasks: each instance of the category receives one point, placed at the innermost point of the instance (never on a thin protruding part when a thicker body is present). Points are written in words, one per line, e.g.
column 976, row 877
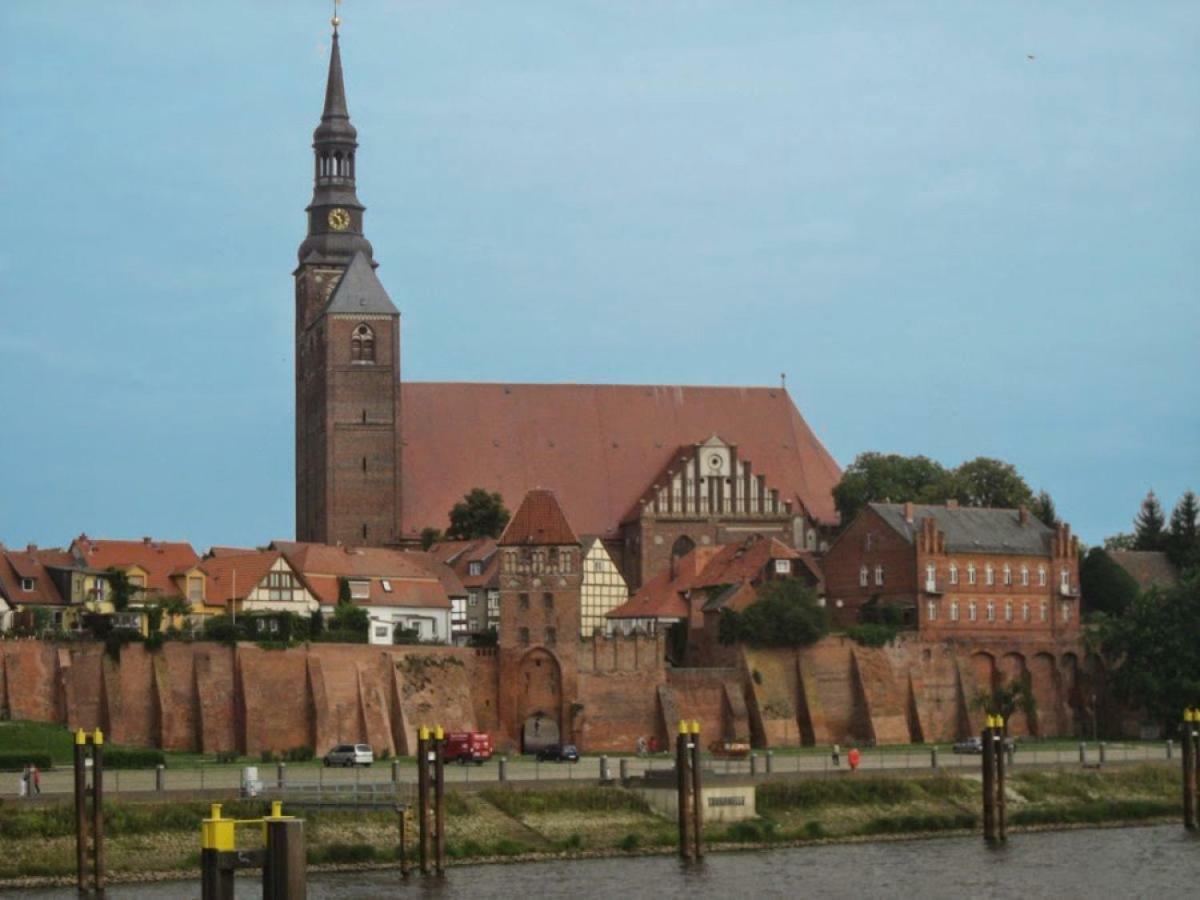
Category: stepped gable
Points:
column 599, row 447
column 539, row 521
column 972, row 529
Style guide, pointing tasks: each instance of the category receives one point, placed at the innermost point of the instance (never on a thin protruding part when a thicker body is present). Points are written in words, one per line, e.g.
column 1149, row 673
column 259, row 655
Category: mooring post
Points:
column 160, row 778
column 1000, row 738
column 284, row 875
column 98, row 812
column 216, row 837
column 1189, row 767
column 624, row 771
column 280, row 774
column 439, row 769
column 395, row 771
column 423, row 799
column 933, row 757
column 681, row 785
column 697, row 793
column 989, row 776
column 81, row 824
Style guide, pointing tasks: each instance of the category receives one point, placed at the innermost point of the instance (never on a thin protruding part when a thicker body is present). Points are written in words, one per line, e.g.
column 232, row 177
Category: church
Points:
column 651, row 470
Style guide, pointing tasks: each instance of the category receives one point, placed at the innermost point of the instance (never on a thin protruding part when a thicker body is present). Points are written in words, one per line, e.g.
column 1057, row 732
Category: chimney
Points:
column 1023, row 514
column 909, row 512
column 952, row 503
column 31, row 548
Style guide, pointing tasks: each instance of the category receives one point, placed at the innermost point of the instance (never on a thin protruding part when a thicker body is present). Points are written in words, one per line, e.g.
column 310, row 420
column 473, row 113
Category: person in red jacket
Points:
column 854, row 758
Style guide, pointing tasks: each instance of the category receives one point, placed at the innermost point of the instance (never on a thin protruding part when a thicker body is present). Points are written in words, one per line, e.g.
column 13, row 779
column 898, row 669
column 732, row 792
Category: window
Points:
column 280, row 586
column 1025, row 576
column 971, row 579
column 783, row 567
column 972, row 611
column 1064, row 581
column 1008, row 611
column 953, row 610
column 1042, row 576
column 1024, row 612
column 991, row 610
column 458, row 614
column 195, row 588
column 931, row 577
column 387, row 585
column 954, row 573
column 475, row 567
column 1007, row 574
column 27, row 584
column 931, row 611
column 360, row 590
column 863, row 577
column 548, row 601
column 523, row 636
column 878, row 575
column 1043, row 610
column 1066, row 612
column 473, row 598
column 551, row 637
column 362, row 344
column 523, row 601
column 137, row 581
column 989, row 575
column 381, row 632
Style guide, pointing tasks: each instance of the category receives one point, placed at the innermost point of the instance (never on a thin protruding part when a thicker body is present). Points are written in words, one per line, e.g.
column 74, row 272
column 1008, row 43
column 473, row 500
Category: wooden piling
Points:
column 439, row 799
column 1001, row 802
column 681, row 786
column 1190, row 747
column 98, row 861
column 989, row 794
column 423, row 798
column 285, row 874
column 697, row 795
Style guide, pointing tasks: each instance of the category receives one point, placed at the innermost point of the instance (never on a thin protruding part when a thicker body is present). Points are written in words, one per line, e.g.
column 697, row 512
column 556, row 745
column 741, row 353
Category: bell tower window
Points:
column 362, row 344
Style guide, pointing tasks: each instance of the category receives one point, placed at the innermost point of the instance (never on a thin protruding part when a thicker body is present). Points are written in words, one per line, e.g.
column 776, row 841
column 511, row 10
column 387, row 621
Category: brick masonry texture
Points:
column 210, row 697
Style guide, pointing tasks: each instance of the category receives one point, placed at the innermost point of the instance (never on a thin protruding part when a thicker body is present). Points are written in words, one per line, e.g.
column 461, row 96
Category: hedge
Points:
column 15, row 762
column 133, row 758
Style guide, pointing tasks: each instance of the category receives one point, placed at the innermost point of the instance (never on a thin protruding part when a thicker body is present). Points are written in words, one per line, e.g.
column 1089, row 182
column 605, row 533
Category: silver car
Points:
column 350, row 755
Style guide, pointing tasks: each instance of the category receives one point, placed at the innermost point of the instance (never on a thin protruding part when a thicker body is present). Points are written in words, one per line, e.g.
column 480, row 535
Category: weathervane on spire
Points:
column 336, row 20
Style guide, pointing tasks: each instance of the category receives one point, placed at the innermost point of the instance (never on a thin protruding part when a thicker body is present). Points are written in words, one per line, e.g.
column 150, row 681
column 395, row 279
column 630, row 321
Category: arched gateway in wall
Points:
column 540, row 706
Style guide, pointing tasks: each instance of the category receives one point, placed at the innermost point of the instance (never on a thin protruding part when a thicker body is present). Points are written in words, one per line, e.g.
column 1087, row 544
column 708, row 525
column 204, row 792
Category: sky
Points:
column 959, row 228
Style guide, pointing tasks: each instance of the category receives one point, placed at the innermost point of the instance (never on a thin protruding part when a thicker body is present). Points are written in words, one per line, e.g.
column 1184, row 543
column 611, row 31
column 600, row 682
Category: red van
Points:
column 468, row 746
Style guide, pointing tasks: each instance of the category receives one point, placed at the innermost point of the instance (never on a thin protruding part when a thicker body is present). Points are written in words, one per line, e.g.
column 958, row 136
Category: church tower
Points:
column 347, row 353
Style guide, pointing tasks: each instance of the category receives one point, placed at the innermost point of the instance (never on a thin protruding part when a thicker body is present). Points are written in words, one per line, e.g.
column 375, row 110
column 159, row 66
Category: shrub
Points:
column 813, row 830
column 843, row 791
column 570, row 842
column 916, row 823
column 15, row 762
column 268, row 756
column 133, row 758
column 298, row 754
column 786, row 614
column 227, row 756
column 872, row 634
column 751, row 831
column 519, row 803
column 506, row 847
column 629, row 842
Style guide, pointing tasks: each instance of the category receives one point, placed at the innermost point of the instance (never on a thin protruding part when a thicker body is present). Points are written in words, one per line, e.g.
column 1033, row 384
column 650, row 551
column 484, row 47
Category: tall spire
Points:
column 335, row 214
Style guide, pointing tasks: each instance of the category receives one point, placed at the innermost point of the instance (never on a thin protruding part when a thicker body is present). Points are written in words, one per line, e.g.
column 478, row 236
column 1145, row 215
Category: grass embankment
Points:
column 505, row 822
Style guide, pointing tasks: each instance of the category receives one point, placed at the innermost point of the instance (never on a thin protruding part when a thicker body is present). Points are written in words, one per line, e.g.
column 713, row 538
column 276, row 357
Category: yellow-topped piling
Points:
column 695, row 727
column 683, row 726
column 80, row 736
column 439, row 733
column 217, row 833
column 97, row 736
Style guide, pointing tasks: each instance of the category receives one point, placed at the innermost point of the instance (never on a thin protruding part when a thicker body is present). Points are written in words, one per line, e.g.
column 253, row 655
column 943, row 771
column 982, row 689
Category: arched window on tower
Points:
column 337, row 163
column 362, row 344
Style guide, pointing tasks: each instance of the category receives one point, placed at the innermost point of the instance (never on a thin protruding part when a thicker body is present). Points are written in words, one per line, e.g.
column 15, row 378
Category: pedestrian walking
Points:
column 25, row 782
column 837, row 756
column 37, row 778
column 854, row 757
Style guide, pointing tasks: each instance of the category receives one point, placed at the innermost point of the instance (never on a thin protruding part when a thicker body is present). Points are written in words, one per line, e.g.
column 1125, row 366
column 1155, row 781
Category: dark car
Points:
column 558, row 753
column 975, row 745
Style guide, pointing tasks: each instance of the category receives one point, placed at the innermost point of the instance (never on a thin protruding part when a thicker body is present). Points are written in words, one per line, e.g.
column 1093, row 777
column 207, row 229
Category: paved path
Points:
column 309, row 776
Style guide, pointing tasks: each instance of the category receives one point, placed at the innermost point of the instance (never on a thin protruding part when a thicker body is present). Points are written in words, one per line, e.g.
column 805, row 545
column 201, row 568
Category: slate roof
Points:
column 1149, row 568
column 597, row 446
column 359, row 291
column 972, row 529
column 539, row 521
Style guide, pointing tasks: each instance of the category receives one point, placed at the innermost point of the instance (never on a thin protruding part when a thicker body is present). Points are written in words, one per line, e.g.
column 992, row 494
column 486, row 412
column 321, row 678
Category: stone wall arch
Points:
column 1013, row 668
column 540, row 700
column 1045, row 683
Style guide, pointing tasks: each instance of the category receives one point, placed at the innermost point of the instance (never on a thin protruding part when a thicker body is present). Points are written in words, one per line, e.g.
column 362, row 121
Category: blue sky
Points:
column 948, row 247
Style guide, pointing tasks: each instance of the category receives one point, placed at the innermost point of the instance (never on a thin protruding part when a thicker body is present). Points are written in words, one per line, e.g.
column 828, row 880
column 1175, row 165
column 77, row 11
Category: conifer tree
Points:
column 1150, row 525
column 1183, row 543
column 1043, row 509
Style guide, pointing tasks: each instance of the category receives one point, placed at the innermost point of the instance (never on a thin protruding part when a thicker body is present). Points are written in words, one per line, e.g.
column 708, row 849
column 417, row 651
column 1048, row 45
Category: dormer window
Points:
column 28, row 584
column 360, row 590
column 195, row 589
column 783, row 567
column 475, row 567
column 362, row 344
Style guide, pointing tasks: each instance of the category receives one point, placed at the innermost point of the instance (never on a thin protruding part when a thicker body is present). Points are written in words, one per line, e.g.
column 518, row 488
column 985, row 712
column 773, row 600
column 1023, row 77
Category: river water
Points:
column 1156, row 861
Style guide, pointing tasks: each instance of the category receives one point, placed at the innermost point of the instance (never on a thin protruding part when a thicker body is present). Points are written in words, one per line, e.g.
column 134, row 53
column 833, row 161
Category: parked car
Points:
column 974, row 744
column 558, row 753
column 350, row 755
column 730, row 749
column 468, row 746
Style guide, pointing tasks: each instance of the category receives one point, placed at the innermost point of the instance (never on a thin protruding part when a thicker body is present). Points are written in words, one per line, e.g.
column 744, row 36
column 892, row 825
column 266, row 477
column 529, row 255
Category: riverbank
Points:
column 155, row 840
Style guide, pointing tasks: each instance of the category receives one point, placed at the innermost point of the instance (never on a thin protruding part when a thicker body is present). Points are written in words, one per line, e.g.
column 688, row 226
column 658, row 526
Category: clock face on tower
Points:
column 339, row 219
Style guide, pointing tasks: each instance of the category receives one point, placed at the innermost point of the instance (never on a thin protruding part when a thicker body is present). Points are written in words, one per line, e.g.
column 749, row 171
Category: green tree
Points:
column 429, row 537
column 785, row 614
column 1043, row 509
column 877, row 477
column 1151, row 652
column 122, row 591
column 1006, row 698
column 1183, row 541
column 990, row 483
column 1120, row 541
column 1106, row 587
column 350, row 618
column 1149, row 528
column 478, row 514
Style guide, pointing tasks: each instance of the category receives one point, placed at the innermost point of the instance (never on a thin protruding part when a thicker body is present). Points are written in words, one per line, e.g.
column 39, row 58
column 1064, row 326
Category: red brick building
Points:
column 960, row 572
column 652, row 470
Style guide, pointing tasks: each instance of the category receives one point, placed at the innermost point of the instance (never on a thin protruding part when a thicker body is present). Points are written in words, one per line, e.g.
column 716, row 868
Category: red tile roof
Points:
column 159, row 559
column 18, row 564
column 539, row 520
column 459, row 555
column 597, row 446
column 658, row 598
column 408, row 574
column 233, row 576
column 743, row 561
